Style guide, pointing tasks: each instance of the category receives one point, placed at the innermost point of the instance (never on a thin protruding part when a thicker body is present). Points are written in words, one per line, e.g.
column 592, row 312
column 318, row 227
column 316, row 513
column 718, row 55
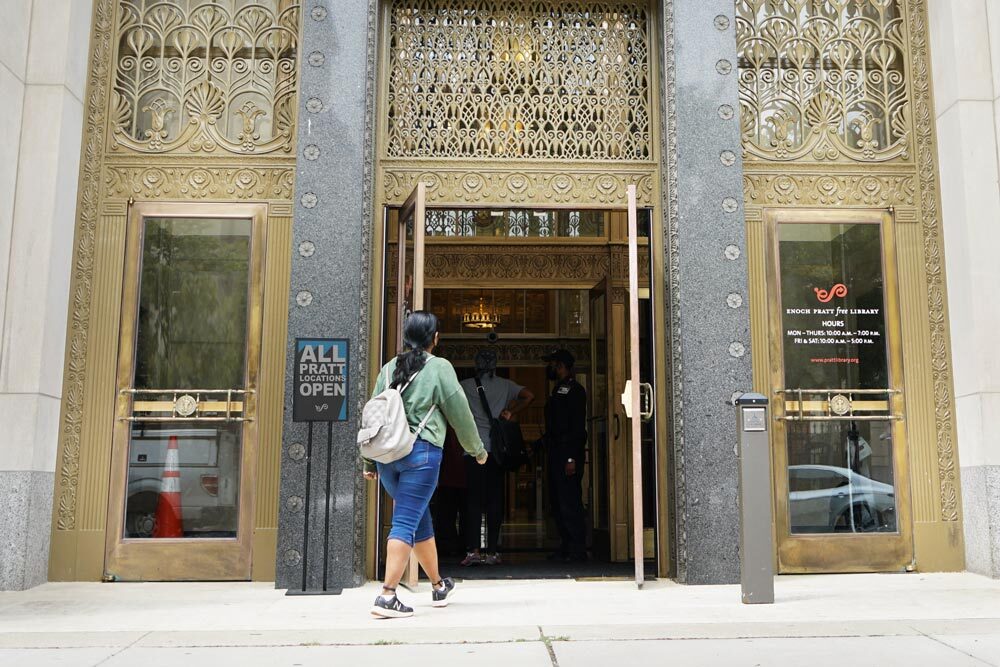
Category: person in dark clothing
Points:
column 486, row 484
column 565, row 441
column 448, row 504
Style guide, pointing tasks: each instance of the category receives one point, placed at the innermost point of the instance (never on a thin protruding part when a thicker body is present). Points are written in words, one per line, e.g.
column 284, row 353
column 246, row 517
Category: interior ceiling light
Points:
column 481, row 318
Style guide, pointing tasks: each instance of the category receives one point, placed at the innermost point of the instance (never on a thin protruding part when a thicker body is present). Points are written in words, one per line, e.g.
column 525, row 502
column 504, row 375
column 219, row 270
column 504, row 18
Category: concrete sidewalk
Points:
column 914, row 619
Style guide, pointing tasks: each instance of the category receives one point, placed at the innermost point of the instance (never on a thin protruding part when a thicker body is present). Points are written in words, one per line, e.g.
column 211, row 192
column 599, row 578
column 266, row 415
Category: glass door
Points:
column 637, row 398
column 841, row 480
column 411, row 229
column 406, row 231
column 183, row 457
column 604, row 424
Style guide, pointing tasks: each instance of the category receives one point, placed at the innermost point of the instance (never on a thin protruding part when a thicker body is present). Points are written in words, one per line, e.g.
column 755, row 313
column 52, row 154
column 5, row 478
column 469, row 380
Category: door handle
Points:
column 188, row 405
column 833, row 404
column 645, row 400
column 618, row 426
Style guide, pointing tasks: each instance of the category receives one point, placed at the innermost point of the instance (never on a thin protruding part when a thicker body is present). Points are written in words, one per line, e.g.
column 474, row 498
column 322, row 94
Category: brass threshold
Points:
column 187, row 420
column 849, row 418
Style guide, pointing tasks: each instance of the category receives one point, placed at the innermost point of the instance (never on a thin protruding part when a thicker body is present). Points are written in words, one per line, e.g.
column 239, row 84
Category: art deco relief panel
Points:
column 836, row 113
column 456, row 266
column 199, row 77
column 823, row 80
column 518, row 102
column 519, row 80
column 187, row 101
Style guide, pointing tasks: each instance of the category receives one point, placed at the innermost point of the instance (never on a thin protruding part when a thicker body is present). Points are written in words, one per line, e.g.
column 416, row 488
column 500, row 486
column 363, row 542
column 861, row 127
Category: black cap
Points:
column 486, row 360
column 564, row 356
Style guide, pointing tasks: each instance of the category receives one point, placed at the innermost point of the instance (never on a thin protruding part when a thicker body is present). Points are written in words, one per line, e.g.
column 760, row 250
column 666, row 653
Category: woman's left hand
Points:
column 369, row 475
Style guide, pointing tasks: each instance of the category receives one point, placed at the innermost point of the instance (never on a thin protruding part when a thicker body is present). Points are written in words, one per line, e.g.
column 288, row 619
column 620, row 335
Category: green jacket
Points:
column 436, row 384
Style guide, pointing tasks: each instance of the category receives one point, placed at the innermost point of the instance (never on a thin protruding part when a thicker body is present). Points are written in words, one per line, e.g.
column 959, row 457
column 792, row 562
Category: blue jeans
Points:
column 411, row 482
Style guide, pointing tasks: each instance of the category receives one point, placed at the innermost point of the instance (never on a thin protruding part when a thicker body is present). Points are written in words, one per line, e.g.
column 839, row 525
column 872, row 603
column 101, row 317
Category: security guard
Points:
column 565, row 442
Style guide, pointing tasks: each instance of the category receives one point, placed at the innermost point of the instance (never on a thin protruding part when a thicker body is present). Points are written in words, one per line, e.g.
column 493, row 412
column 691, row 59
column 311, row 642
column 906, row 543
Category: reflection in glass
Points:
column 840, row 477
column 191, row 335
column 836, row 360
column 599, row 428
column 192, row 321
column 644, row 223
column 574, row 313
column 209, row 466
column 407, row 298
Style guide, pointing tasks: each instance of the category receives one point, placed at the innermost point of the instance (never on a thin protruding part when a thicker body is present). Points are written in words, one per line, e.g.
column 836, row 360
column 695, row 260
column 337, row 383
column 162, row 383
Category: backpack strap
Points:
column 412, row 377
column 409, row 382
column 430, row 413
column 482, row 397
column 423, row 422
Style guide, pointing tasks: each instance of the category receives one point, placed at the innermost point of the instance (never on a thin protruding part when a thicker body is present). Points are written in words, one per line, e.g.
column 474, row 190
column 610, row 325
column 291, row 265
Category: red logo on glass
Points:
column 826, row 296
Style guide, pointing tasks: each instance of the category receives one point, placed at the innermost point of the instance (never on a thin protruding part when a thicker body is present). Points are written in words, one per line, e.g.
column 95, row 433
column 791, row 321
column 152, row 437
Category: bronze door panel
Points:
column 185, row 435
column 840, row 457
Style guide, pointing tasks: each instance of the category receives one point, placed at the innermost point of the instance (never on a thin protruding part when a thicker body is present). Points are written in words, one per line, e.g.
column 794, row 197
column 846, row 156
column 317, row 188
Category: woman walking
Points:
column 430, row 382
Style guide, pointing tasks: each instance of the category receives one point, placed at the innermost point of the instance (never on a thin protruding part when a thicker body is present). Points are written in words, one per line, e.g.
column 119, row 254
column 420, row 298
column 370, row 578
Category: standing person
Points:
column 429, row 382
column 448, row 503
column 565, row 441
column 485, row 484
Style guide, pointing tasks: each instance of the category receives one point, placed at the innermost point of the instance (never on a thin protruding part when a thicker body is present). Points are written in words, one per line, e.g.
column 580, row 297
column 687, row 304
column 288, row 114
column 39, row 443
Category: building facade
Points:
column 705, row 197
column 42, row 90
column 965, row 67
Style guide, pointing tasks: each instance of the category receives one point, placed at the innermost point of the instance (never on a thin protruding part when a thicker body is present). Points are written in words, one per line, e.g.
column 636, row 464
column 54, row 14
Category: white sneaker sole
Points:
column 379, row 612
column 444, row 603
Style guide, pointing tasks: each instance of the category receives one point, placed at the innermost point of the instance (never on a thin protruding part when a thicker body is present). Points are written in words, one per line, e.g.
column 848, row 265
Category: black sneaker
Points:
column 390, row 608
column 439, row 596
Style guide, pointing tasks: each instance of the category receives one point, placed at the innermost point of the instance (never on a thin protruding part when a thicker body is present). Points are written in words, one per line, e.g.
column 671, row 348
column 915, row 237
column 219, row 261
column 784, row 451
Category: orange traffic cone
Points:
column 168, row 511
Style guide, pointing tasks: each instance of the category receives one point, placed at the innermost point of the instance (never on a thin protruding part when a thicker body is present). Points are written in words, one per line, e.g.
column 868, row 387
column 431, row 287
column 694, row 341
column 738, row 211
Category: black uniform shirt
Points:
column 566, row 421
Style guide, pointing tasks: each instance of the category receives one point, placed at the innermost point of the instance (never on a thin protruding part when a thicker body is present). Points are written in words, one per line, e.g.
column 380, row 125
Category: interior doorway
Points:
column 522, row 283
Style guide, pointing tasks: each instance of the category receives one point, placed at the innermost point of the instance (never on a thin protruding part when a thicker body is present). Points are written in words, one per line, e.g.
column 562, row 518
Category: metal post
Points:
column 756, row 539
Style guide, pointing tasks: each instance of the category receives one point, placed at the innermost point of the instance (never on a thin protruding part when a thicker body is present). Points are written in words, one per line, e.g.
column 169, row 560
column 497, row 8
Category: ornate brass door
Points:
column 623, row 493
column 409, row 230
column 638, row 395
column 185, row 433
column 410, row 272
column 622, row 350
column 840, row 457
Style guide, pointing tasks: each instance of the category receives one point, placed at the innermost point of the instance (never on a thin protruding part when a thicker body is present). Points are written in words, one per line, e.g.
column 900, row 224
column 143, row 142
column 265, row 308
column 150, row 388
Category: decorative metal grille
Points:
column 519, row 79
column 823, row 80
column 201, row 75
column 514, row 223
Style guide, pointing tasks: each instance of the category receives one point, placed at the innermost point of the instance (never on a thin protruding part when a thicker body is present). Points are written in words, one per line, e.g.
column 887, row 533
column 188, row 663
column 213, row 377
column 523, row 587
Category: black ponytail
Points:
column 418, row 335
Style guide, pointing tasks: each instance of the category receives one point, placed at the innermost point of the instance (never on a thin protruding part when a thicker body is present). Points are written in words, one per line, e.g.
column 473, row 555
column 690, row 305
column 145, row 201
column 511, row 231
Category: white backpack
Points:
column 385, row 435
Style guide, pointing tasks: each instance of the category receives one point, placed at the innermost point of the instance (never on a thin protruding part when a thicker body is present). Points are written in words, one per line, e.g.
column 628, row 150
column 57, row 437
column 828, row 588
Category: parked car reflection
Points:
column 831, row 499
column 209, row 461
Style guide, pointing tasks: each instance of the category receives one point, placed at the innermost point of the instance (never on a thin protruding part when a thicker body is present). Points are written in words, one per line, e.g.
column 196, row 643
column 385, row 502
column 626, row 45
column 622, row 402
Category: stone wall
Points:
column 965, row 40
column 43, row 60
column 710, row 328
column 320, row 542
